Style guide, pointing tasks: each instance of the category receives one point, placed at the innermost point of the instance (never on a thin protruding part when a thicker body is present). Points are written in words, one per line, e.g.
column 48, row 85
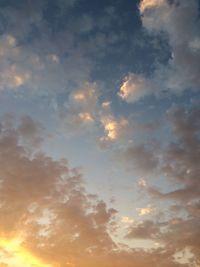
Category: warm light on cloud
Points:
column 99, row 146
column 15, row 251
column 134, row 87
column 13, row 77
column 79, row 96
column 11, row 40
column 86, row 117
column 127, row 220
column 142, row 183
column 145, row 211
column 87, row 93
column 106, row 104
column 54, row 58
column 146, row 4
column 114, row 128
column 7, row 45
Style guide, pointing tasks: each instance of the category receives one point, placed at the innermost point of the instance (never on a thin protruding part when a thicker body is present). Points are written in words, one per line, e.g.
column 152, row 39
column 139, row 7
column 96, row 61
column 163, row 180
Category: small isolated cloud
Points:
column 85, row 117
column 106, row 104
column 86, row 96
column 11, row 75
column 145, row 211
column 127, row 220
column 142, row 183
column 115, row 129
column 14, row 77
column 134, row 87
column 81, row 108
column 53, row 58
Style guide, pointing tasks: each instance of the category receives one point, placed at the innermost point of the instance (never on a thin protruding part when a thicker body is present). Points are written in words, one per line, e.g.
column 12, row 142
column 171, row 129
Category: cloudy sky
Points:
column 99, row 133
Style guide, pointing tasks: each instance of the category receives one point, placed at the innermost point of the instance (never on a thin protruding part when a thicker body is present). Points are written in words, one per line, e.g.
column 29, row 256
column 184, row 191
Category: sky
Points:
column 99, row 133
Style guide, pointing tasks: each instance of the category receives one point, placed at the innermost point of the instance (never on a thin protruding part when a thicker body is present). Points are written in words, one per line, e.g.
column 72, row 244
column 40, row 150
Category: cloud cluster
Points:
column 178, row 164
column 115, row 129
column 84, row 111
column 81, row 108
column 45, row 206
column 134, row 87
column 35, row 187
column 31, row 57
column 178, row 21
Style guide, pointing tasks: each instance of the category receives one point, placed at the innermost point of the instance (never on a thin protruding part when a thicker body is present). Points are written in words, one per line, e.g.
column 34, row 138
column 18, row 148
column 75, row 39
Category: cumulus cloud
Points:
column 139, row 159
column 127, row 220
column 45, row 201
column 145, row 210
column 178, row 21
column 180, row 159
column 115, row 129
column 148, row 4
column 143, row 230
column 177, row 163
column 84, row 111
column 142, row 183
column 29, row 68
column 80, row 111
column 134, row 87
column 30, row 59
column 34, row 186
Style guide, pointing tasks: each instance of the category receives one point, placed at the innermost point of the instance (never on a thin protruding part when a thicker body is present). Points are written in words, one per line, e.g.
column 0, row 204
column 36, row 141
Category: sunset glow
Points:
column 19, row 255
column 99, row 133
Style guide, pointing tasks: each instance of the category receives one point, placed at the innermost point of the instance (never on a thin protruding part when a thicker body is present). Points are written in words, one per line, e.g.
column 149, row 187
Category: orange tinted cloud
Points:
column 61, row 224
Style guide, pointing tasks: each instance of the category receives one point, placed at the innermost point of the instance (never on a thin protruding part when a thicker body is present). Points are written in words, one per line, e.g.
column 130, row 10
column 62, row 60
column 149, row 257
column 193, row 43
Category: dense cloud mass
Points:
column 179, row 163
column 178, row 21
column 45, row 201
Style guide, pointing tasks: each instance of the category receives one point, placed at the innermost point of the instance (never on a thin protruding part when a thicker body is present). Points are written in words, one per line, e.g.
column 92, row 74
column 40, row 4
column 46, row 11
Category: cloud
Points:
column 50, row 188
column 26, row 68
column 81, row 108
column 86, row 96
column 33, row 61
column 115, row 129
column 148, row 4
column 144, row 230
column 127, row 220
column 145, row 211
column 139, row 158
column 177, row 161
column 177, row 164
column 45, row 201
column 178, row 22
column 134, row 87
column 180, row 159
column 142, row 183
